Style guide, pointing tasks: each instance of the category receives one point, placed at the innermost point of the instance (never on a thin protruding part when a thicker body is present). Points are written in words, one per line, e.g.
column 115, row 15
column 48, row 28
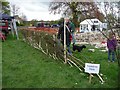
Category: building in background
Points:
column 89, row 25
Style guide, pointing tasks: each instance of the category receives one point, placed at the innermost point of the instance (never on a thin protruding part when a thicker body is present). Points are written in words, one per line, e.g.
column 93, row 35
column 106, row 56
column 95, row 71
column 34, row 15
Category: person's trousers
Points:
column 111, row 53
column 69, row 50
column 73, row 38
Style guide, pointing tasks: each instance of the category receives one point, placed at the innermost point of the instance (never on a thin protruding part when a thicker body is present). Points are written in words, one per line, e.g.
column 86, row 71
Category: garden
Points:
column 26, row 66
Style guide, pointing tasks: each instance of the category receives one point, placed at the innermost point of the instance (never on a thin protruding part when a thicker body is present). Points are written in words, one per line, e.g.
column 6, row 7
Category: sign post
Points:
column 90, row 78
column 92, row 69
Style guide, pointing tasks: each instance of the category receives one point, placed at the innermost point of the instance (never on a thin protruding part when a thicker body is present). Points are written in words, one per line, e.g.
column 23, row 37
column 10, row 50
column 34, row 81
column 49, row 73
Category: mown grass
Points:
column 0, row 65
column 25, row 67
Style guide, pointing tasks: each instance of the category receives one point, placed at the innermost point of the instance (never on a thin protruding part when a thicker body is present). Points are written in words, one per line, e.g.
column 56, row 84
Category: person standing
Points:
column 111, row 45
column 68, row 36
column 72, row 27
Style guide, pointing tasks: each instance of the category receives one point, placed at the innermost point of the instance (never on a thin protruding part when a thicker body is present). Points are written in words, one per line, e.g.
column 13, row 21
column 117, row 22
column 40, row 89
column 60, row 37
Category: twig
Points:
column 78, row 63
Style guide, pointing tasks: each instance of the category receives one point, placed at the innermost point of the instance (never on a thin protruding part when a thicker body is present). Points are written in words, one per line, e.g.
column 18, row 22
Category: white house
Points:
column 90, row 25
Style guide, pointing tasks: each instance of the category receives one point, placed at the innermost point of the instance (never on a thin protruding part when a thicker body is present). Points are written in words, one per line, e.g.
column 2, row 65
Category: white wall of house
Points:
column 104, row 25
column 87, row 25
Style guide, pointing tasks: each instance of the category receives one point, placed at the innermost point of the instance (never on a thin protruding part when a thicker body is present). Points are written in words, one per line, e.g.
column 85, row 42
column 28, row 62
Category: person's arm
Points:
column 115, row 43
column 107, row 43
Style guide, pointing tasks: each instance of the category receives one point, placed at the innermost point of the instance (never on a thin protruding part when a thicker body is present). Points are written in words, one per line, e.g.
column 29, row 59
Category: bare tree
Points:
column 15, row 9
column 73, row 9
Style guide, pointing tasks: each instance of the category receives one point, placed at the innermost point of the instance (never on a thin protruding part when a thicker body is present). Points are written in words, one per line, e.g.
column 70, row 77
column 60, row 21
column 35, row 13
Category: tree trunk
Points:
column 75, row 20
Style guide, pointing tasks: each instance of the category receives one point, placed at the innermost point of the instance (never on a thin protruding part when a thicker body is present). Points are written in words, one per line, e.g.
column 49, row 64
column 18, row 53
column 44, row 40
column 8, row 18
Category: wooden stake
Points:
column 65, row 58
column 70, row 64
column 100, row 78
column 75, row 64
column 46, row 48
column 90, row 78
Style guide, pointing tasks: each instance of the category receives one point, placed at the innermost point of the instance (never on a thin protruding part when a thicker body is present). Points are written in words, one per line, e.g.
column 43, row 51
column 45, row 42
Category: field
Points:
column 26, row 67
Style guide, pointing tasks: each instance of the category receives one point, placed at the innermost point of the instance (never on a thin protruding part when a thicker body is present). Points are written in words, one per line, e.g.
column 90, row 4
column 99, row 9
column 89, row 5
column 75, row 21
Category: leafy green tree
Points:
column 5, row 8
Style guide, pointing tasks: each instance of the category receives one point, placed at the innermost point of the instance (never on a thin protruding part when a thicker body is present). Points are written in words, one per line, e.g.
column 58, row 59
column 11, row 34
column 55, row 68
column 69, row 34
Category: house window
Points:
column 95, row 21
column 81, row 27
column 87, row 28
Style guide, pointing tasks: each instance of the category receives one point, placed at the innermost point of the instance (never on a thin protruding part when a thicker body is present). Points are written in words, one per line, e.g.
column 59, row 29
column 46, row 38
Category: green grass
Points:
column 0, row 65
column 25, row 67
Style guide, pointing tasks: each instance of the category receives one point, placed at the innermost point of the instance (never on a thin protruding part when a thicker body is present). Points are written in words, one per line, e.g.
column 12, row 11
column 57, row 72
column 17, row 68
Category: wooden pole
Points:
column 75, row 64
column 65, row 42
column 12, row 28
column 100, row 78
column 15, row 28
column 90, row 78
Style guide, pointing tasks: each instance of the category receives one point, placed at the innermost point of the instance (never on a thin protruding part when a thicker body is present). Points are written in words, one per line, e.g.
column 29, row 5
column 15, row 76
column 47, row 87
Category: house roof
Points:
column 91, row 21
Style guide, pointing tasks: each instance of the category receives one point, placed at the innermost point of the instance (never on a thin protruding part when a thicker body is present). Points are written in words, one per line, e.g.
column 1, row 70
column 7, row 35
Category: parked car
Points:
column 4, row 27
column 55, row 26
column 43, row 24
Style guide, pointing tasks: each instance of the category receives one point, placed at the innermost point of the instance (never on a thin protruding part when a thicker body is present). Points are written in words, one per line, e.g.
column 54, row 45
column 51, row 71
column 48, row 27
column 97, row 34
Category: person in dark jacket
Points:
column 111, row 45
column 68, row 35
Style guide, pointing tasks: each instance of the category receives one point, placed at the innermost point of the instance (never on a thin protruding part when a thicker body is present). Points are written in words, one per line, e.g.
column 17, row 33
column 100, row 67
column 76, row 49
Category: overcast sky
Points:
column 35, row 9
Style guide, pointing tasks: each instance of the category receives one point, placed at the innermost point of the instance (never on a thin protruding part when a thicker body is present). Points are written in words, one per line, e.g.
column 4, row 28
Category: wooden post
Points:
column 65, row 58
column 100, row 78
column 12, row 28
column 90, row 78
column 15, row 28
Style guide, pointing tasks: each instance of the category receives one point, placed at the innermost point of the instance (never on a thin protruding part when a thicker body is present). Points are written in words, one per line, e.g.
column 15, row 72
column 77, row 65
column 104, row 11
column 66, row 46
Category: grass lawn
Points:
column 0, row 65
column 26, row 67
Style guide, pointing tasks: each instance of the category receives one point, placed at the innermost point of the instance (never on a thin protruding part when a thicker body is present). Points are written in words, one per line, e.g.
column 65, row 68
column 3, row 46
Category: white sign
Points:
column 92, row 68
